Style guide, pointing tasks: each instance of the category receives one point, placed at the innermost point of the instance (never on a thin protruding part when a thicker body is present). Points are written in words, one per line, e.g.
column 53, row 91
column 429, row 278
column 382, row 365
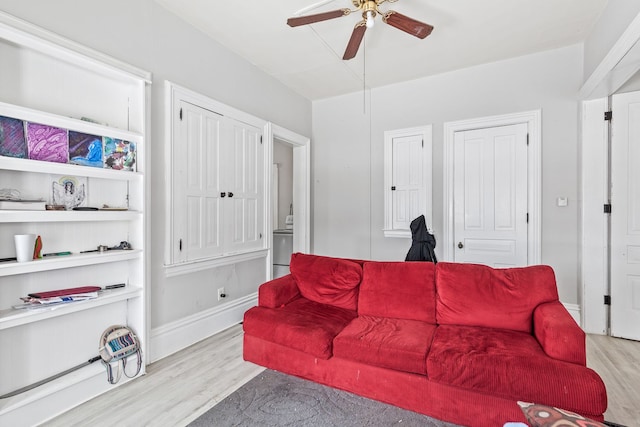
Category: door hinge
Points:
column 607, row 300
column 180, row 245
column 180, row 114
column 261, row 235
column 608, row 115
column 527, row 217
column 422, row 142
column 260, row 139
column 527, row 140
column 607, row 208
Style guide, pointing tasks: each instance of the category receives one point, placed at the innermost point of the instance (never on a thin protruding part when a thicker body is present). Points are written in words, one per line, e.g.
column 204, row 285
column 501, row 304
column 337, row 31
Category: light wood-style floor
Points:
column 181, row 387
column 175, row 391
column 618, row 363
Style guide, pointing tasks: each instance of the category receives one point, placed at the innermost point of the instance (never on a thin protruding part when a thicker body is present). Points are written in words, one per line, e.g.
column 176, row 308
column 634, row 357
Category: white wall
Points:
column 348, row 152
column 146, row 35
column 340, row 178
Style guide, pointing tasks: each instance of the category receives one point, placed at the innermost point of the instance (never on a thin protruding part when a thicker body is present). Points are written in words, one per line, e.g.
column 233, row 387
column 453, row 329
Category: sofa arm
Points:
column 558, row 334
column 278, row 292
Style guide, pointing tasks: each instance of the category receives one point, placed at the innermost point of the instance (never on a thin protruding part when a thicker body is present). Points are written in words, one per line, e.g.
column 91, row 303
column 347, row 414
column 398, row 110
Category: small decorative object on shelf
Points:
column 47, row 143
column 85, row 149
column 37, row 250
column 57, row 253
column 25, row 244
column 119, row 154
column 113, row 208
column 12, row 140
column 123, row 246
column 69, row 191
column 55, row 207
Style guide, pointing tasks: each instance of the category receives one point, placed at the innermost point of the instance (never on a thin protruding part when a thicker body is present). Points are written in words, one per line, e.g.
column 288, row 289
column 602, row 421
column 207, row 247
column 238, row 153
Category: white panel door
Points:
column 407, row 180
column 490, row 196
column 244, row 207
column 625, row 217
column 199, row 175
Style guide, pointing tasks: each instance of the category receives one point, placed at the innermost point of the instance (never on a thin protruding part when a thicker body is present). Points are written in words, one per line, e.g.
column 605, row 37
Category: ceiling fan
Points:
column 369, row 10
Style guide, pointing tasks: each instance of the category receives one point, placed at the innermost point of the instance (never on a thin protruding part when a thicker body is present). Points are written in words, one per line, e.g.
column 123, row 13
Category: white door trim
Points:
column 533, row 119
column 594, row 174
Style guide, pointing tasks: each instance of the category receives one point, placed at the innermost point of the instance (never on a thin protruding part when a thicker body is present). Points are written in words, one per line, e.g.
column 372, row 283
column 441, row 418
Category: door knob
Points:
column 460, row 245
column 223, row 194
column 230, row 194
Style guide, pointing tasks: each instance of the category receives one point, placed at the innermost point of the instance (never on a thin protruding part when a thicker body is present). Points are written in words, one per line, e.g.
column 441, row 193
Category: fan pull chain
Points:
column 364, row 77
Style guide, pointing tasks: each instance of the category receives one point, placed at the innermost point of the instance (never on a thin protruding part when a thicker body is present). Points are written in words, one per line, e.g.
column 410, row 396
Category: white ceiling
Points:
column 308, row 59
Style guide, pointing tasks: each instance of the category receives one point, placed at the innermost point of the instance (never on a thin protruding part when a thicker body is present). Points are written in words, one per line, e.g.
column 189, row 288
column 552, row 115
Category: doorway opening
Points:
column 282, row 207
column 290, row 197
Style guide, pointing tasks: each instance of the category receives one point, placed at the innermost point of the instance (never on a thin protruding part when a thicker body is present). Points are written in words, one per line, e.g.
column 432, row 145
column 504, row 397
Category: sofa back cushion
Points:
column 477, row 295
column 326, row 280
column 400, row 290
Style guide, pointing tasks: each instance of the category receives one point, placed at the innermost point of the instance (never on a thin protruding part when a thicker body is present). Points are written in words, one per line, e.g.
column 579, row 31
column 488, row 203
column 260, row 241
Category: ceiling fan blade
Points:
column 406, row 24
column 310, row 19
column 355, row 40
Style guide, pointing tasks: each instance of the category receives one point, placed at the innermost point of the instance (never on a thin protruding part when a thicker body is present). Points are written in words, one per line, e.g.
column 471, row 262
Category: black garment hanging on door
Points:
column 423, row 243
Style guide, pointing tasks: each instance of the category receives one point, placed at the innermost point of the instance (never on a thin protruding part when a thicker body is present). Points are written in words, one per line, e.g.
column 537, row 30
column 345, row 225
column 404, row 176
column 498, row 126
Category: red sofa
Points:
column 458, row 342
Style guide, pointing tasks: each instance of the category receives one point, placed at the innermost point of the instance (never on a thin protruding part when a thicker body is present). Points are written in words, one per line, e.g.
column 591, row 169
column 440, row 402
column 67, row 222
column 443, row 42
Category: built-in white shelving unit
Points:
column 50, row 80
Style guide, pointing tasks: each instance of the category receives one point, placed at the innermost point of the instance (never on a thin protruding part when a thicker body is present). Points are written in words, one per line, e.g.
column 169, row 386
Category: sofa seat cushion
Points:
column 327, row 280
column 512, row 365
column 303, row 325
column 398, row 344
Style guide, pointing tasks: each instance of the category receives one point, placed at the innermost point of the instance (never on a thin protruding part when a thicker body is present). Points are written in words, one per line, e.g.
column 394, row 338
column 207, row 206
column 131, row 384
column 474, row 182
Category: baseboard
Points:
column 574, row 311
column 175, row 336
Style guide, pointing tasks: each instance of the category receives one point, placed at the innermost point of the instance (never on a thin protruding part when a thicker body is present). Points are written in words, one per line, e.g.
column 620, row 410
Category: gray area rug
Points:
column 276, row 399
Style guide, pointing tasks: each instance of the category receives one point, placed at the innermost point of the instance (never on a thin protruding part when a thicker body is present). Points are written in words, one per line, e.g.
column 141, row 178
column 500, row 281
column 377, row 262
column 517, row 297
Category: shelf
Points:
column 67, row 216
column 31, row 115
column 11, row 268
column 90, row 84
column 11, row 318
column 37, row 166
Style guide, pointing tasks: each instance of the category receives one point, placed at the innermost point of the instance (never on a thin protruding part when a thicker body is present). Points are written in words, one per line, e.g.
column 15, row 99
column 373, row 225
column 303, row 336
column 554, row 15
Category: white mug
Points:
column 25, row 246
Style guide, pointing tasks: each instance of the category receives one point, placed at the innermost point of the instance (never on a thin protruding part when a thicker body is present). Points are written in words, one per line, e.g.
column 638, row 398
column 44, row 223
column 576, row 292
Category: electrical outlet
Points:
column 221, row 294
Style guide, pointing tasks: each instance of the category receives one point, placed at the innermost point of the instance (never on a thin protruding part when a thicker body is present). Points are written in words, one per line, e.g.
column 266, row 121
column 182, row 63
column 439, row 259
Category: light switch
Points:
column 562, row 201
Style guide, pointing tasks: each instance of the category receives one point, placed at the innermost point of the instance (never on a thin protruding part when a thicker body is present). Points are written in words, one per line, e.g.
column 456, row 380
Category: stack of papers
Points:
column 57, row 297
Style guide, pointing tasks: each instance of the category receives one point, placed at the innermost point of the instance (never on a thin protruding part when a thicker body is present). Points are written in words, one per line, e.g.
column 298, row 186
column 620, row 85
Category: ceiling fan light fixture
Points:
column 369, row 10
column 370, row 18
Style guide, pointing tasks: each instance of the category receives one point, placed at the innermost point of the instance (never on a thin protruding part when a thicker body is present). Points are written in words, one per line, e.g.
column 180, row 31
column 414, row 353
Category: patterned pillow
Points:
column 547, row 416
